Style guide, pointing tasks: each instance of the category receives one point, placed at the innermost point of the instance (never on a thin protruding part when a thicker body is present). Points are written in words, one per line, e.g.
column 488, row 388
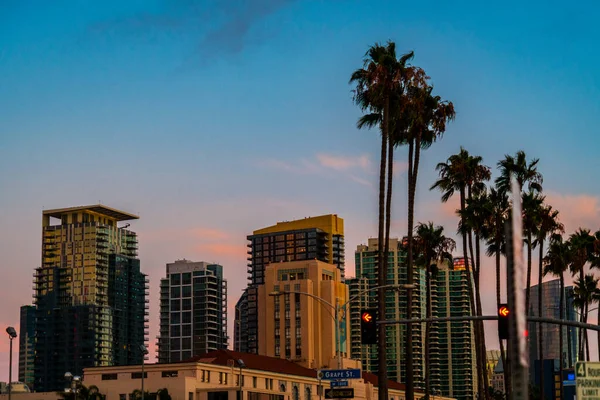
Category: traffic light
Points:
column 368, row 326
column 503, row 316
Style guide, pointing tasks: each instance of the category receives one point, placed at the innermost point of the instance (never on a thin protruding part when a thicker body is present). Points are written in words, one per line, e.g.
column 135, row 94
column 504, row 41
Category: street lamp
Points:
column 74, row 381
column 336, row 311
column 12, row 333
column 144, row 352
column 241, row 364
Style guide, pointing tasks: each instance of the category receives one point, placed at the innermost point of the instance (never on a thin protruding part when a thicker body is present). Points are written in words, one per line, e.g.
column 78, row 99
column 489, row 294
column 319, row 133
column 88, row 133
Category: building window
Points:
column 169, row 374
column 109, row 377
column 307, row 393
column 223, row 378
column 186, row 304
column 254, row 382
column 190, row 395
column 122, row 396
column 175, row 279
column 176, row 292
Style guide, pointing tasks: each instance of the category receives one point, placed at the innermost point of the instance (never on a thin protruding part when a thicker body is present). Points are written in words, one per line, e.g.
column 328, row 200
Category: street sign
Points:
column 336, row 374
column 339, row 393
column 335, row 384
column 587, row 375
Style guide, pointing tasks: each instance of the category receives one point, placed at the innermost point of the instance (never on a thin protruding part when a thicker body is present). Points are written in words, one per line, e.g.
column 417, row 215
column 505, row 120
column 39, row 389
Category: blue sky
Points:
column 212, row 119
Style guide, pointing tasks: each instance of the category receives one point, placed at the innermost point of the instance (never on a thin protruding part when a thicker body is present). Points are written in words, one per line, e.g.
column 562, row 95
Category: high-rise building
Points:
column 314, row 238
column 193, row 310
column 366, row 278
column 297, row 314
column 551, row 332
column 241, row 323
column 453, row 363
column 90, row 295
column 26, row 345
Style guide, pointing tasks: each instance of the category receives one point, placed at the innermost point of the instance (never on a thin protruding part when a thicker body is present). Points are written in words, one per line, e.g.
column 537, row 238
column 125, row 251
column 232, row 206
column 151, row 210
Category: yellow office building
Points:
column 297, row 321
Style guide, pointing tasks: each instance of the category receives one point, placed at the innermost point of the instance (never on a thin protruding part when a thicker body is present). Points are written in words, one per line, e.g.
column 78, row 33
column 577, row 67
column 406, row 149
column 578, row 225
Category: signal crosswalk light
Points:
column 503, row 316
column 368, row 326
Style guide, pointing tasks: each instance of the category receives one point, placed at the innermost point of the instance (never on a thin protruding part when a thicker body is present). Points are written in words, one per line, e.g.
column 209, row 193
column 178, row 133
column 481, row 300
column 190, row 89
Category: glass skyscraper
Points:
column 551, row 332
column 90, row 295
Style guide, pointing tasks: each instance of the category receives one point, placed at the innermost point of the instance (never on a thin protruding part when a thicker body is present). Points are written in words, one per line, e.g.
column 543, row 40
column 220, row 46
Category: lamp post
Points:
column 74, row 381
column 336, row 311
column 241, row 364
column 12, row 333
column 144, row 352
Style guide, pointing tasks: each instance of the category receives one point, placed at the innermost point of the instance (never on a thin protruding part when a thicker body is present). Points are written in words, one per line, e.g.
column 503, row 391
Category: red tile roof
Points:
column 273, row 364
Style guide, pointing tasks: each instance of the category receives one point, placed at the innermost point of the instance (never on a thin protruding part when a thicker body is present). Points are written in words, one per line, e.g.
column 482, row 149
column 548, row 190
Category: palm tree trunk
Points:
column 409, row 306
column 388, row 211
column 381, row 273
column 469, row 274
column 528, row 290
column 587, row 344
column 482, row 350
column 541, row 326
column 598, row 334
column 560, row 341
column 498, row 300
column 427, row 331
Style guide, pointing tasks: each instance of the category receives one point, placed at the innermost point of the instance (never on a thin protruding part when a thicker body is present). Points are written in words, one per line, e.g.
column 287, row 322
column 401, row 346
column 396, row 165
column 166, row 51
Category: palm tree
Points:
column 582, row 245
column 376, row 84
column 585, row 293
column 432, row 248
column 427, row 116
column 557, row 261
column 548, row 224
column 532, row 204
column 83, row 393
column 465, row 174
column 525, row 174
column 472, row 221
column 498, row 211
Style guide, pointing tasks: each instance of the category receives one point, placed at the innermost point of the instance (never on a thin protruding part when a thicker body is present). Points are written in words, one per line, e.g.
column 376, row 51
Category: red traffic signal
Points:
column 503, row 316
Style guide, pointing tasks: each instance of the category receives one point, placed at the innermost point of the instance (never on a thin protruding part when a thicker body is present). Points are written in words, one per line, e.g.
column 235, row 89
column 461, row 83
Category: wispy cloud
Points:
column 217, row 28
column 344, row 163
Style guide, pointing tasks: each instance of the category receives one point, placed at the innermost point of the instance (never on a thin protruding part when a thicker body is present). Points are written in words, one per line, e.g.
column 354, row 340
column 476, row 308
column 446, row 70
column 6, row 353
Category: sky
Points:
column 211, row 119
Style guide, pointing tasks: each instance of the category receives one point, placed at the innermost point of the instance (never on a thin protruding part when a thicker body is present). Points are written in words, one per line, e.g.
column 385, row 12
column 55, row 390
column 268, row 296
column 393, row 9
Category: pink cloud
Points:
column 576, row 210
column 343, row 163
column 222, row 249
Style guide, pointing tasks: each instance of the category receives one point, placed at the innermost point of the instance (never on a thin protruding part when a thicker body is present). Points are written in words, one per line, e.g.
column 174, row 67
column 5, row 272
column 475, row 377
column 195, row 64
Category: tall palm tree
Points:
column 427, row 116
column 375, row 85
column 585, row 293
column 582, row 245
column 548, row 225
column 432, row 247
column 532, row 203
column 465, row 174
column 525, row 173
column 498, row 211
column 557, row 261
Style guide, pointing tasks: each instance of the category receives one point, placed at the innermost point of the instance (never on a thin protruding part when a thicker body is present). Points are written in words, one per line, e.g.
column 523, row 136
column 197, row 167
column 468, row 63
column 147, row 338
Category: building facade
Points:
column 89, row 294
column 241, row 324
column 193, row 311
column 223, row 374
column 297, row 319
column 314, row 238
column 27, row 345
column 551, row 332
column 453, row 362
column 366, row 278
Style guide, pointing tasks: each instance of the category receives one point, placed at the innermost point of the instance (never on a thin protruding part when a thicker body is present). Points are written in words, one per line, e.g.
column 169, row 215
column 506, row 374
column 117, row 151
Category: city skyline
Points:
column 124, row 106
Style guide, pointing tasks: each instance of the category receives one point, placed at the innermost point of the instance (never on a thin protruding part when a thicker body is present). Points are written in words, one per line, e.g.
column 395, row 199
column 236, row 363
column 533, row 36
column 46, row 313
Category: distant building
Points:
column 90, row 294
column 551, row 332
column 492, row 359
column 193, row 310
column 314, row 238
column 366, row 278
column 27, row 345
column 295, row 319
column 241, row 323
column 498, row 377
column 453, row 363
